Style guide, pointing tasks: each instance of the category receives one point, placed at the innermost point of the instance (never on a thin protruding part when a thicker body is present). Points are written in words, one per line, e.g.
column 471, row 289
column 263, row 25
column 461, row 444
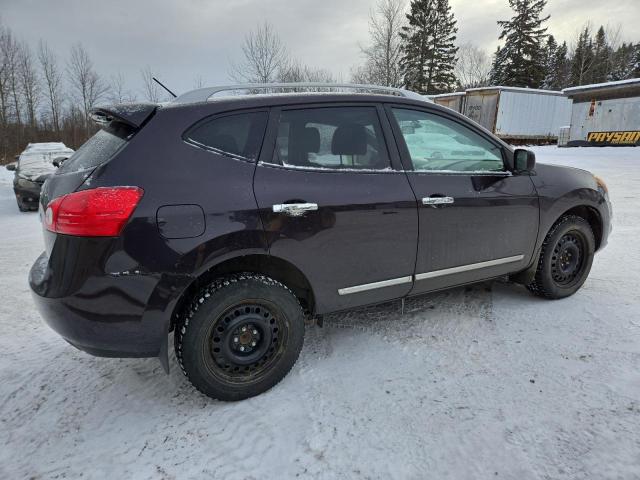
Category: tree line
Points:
column 418, row 50
column 46, row 97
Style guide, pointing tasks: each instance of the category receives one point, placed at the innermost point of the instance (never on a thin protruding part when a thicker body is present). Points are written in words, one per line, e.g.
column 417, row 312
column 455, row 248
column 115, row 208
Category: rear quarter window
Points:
column 237, row 135
column 98, row 149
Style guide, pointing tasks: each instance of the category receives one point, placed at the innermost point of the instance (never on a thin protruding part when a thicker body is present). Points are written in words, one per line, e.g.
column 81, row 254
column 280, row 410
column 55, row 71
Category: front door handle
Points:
column 294, row 209
column 437, row 200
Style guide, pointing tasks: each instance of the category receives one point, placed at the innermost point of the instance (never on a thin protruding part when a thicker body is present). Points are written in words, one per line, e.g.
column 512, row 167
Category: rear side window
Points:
column 239, row 135
column 337, row 138
column 98, row 149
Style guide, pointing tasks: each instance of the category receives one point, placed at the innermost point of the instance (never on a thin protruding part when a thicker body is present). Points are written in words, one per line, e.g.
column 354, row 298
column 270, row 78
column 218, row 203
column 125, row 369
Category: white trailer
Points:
column 518, row 114
column 454, row 101
column 605, row 114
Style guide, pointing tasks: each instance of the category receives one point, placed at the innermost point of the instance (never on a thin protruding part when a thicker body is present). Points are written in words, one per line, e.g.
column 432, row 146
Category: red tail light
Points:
column 99, row 212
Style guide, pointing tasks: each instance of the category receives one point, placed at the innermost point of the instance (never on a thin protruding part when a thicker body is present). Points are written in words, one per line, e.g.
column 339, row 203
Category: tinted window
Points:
column 437, row 143
column 97, row 150
column 336, row 138
column 236, row 135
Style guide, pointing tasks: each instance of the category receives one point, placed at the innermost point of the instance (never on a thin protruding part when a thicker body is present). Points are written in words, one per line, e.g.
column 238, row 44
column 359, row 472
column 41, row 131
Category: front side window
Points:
column 436, row 143
column 337, row 138
column 238, row 135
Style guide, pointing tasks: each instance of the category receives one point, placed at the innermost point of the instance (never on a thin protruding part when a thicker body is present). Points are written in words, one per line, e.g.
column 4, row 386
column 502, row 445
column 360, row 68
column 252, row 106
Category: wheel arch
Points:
column 589, row 213
column 275, row 267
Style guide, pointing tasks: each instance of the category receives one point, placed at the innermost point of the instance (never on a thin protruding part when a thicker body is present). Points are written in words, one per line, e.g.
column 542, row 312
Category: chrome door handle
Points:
column 436, row 200
column 294, row 209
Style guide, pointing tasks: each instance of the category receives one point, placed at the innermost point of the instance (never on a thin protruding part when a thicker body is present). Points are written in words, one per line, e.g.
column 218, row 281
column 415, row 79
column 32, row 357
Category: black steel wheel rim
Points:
column 568, row 260
column 245, row 341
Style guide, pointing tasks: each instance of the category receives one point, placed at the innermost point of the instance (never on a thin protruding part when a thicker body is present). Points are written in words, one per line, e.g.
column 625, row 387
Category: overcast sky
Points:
column 186, row 39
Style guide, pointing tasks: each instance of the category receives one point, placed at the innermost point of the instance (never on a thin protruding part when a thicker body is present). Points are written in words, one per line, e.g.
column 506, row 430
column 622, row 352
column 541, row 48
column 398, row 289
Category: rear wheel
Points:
column 240, row 337
column 565, row 259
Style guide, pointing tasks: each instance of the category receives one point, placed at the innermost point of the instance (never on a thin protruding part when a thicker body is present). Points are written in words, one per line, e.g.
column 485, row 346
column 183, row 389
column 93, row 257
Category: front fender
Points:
column 561, row 189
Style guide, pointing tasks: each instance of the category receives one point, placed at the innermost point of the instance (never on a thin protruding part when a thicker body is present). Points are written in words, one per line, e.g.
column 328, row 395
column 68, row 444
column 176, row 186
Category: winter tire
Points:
column 240, row 336
column 565, row 258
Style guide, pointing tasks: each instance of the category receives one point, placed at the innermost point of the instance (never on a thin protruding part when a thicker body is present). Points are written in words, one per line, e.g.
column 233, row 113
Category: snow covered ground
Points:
column 479, row 382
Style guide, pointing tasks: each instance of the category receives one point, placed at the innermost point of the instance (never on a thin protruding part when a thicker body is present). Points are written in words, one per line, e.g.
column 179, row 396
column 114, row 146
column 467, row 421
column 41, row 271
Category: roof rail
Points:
column 203, row 94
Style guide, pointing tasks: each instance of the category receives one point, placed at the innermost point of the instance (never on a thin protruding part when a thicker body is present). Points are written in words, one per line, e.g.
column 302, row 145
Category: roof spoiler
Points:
column 131, row 114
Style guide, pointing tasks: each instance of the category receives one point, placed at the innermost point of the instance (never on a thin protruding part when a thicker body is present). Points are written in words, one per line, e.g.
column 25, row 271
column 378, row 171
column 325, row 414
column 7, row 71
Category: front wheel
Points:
column 240, row 336
column 565, row 258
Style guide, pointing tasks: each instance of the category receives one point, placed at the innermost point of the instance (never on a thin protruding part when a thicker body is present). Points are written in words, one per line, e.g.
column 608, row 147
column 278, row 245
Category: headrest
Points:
column 310, row 140
column 349, row 139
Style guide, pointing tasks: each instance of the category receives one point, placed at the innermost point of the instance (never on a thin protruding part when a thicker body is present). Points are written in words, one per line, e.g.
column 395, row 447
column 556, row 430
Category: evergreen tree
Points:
column 563, row 67
column 557, row 65
column 497, row 74
column 621, row 61
column 601, row 66
column 635, row 62
column 550, row 52
column 582, row 59
column 520, row 62
column 429, row 53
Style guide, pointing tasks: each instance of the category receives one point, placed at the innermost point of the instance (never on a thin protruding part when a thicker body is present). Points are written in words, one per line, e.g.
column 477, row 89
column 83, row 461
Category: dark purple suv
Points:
column 230, row 220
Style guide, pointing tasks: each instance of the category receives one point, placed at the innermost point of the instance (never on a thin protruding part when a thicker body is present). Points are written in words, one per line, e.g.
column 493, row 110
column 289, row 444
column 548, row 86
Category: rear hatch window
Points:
column 98, row 149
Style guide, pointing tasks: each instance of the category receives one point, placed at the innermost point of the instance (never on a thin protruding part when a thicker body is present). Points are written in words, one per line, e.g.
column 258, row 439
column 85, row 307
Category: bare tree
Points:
column 613, row 33
column 52, row 82
column 383, row 54
column 4, row 81
column 10, row 51
column 265, row 56
column 4, row 96
column 88, row 88
column 29, row 82
column 298, row 72
column 152, row 91
column 473, row 67
column 118, row 92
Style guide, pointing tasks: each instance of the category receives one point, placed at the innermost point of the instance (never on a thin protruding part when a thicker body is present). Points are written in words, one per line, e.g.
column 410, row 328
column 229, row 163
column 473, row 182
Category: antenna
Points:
column 163, row 86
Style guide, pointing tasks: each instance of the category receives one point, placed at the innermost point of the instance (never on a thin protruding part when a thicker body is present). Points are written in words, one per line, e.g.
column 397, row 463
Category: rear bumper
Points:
column 103, row 315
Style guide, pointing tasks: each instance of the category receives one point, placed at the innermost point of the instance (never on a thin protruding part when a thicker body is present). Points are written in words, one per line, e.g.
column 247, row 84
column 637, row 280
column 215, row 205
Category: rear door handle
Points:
column 437, row 200
column 294, row 209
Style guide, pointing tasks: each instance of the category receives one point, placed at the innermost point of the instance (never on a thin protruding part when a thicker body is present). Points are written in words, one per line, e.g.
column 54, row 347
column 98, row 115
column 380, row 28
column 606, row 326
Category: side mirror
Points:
column 12, row 167
column 524, row 160
column 58, row 161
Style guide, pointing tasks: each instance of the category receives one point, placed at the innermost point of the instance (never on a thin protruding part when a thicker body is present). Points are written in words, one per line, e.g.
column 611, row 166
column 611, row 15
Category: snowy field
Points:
column 475, row 383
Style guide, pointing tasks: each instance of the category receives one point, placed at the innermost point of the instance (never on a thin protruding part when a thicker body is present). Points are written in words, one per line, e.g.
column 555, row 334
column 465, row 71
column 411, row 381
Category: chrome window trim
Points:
column 471, row 266
column 262, row 163
column 374, row 285
column 471, row 173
